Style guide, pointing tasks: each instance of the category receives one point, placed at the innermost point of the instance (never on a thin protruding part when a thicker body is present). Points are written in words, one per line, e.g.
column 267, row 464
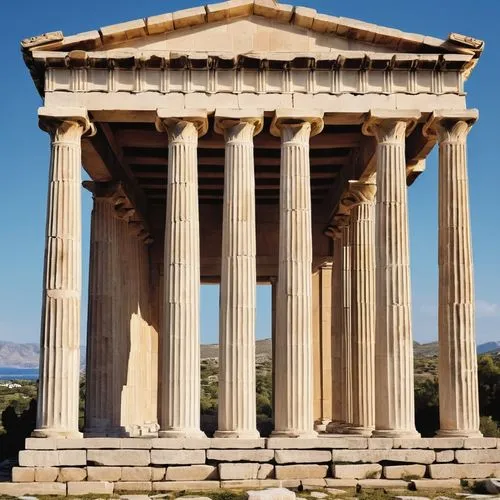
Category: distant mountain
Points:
column 13, row 355
column 488, row 347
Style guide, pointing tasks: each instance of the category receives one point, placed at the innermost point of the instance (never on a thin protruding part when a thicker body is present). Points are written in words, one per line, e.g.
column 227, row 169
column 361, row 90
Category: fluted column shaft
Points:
column 394, row 410
column 346, row 337
column 237, row 407
column 363, row 315
column 337, row 322
column 458, row 385
column 294, row 390
column 99, row 389
column 58, row 393
column 180, row 397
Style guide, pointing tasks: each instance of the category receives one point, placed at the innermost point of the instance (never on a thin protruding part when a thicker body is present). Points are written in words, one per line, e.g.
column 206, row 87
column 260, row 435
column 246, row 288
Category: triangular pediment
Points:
column 242, row 26
column 252, row 34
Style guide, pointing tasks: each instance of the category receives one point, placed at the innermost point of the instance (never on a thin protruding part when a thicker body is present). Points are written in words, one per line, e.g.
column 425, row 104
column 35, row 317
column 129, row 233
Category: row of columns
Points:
column 371, row 334
column 371, row 285
column 122, row 357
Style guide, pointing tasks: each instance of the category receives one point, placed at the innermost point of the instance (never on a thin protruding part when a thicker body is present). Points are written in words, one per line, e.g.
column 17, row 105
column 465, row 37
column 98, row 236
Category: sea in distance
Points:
column 18, row 373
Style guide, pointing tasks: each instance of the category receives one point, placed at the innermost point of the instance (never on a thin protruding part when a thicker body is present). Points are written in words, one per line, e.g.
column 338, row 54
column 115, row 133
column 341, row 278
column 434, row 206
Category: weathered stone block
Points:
column 445, row 456
column 317, row 443
column 463, row 471
column 90, row 488
column 136, row 443
column 181, row 443
column 364, row 471
column 191, row 473
column 404, row 471
column 271, row 494
column 340, row 483
column 42, row 458
column 266, row 471
column 382, row 483
column 133, row 486
column 434, row 484
column 477, row 456
column 233, row 443
column 240, row 483
column 238, row 471
column 177, row 457
column 480, row 443
column 302, row 456
column 21, row 489
column 40, row 444
column 240, row 455
column 136, row 474
column 104, row 473
column 380, row 443
column 118, row 457
column 23, row 474
column 301, row 471
column 71, row 474
column 314, row 483
column 46, row 474
column 185, row 485
column 374, row 456
column 426, row 443
column 88, row 443
column 158, row 473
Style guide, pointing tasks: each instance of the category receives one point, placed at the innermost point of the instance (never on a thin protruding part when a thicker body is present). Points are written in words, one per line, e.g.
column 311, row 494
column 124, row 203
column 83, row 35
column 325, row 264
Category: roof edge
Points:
column 282, row 13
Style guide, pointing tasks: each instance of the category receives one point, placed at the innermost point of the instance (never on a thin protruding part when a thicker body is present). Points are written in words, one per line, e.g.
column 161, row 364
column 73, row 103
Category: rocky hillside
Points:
column 13, row 355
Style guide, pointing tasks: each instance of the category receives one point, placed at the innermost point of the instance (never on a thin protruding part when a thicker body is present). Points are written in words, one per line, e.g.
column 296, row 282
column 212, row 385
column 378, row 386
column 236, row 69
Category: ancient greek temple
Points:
column 246, row 143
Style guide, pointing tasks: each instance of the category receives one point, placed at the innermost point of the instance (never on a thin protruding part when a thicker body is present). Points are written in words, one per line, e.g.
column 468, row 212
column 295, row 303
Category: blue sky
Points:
column 25, row 151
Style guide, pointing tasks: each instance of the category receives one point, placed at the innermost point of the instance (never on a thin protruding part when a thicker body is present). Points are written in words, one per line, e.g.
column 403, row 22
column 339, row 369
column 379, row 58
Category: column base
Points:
column 56, row 433
column 459, row 433
column 335, row 427
column 237, row 434
column 182, row 433
column 321, row 425
column 396, row 433
column 359, row 431
column 293, row 433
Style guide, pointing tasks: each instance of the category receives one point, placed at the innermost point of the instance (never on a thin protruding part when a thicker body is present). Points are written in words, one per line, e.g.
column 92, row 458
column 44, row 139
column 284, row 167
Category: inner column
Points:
column 237, row 408
column 294, row 384
column 180, row 388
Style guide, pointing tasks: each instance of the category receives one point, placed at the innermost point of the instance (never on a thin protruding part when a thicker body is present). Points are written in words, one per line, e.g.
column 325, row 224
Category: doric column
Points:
column 237, row 410
column 337, row 423
column 362, row 251
column 458, row 386
column 100, row 322
column 294, row 391
column 274, row 293
column 394, row 406
column 180, row 393
column 346, row 338
column 58, row 393
column 322, row 336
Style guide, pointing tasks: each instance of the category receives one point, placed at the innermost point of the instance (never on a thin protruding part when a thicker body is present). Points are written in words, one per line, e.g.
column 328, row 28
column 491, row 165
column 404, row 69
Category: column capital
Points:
column 284, row 117
column 228, row 118
column 358, row 192
column 65, row 123
column 167, row 118
column 123, row 208
column 390, row 125
column 339, row 221
column 450, row 125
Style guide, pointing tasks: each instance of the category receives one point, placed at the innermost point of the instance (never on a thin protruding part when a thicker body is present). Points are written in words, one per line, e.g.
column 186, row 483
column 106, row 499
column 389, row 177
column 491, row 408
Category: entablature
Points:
column 335, row 73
